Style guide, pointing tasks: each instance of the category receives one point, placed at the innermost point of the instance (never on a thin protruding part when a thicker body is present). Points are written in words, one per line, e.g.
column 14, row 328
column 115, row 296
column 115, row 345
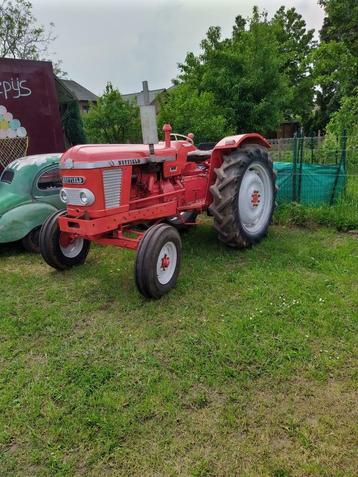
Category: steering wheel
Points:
column 187, row 138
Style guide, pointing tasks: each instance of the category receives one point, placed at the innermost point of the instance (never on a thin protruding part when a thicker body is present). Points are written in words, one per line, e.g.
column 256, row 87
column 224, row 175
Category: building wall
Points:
column 29, row 105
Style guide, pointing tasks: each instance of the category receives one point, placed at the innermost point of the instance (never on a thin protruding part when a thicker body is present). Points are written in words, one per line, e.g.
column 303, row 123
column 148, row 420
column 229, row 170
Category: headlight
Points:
column 84, row 198
column 74, row 196
column 63, row 196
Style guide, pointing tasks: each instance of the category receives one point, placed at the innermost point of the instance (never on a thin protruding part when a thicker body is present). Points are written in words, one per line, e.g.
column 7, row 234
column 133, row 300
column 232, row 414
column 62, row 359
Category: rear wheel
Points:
column 31, row 242
column 59, row 249
column 158, row 261
column 243, row 196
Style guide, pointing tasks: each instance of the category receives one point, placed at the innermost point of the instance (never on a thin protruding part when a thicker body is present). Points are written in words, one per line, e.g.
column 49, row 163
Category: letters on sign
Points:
column 14, row 88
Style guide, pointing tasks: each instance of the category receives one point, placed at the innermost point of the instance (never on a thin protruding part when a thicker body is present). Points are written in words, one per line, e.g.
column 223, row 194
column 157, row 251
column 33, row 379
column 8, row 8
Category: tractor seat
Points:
column 199, row 155
column 206, row 146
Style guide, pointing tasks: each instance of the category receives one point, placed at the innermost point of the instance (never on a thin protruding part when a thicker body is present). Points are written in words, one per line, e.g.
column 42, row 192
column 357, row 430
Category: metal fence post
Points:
column 301, row 156
column 294, row 167
column 312, row 149
column 344, row 150
column 341, row 165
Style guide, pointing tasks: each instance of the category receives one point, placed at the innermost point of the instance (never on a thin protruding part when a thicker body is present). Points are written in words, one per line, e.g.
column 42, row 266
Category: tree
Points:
column 296, row 44
column 243, row 73
column 336, row 59
column 72, row 123
column 21, row 36
column 188, row 110
column 346, row 118
column 340, row 23
column 335, row 71
column 344, row 122
column 112, row 120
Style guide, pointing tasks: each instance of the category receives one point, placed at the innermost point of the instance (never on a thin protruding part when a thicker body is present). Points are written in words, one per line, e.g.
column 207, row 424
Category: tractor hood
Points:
column 108, row 155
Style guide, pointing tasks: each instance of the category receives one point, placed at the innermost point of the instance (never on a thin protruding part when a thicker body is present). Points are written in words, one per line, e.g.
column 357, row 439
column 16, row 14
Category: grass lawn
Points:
column 247, row 368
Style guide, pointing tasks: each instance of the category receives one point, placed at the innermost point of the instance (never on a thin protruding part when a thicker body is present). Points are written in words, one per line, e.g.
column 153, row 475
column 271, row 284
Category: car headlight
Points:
column 64, row 196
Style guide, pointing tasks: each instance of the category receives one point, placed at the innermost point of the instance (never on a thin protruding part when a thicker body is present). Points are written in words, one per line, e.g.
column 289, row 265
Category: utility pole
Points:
column 148, row 118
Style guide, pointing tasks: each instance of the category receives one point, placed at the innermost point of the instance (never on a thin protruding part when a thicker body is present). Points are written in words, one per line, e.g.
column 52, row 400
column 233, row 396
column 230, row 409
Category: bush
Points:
column 345, row 122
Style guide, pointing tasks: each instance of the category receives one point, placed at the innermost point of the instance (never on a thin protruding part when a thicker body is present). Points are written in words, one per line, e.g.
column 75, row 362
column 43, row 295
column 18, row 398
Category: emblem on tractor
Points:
column 73, row 180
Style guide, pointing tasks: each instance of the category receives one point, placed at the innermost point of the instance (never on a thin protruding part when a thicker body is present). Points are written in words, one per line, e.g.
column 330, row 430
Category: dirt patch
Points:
column 291, row 429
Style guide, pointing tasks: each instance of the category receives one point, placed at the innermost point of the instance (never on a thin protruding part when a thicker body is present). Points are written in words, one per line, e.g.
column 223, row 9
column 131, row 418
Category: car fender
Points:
column 18, row 222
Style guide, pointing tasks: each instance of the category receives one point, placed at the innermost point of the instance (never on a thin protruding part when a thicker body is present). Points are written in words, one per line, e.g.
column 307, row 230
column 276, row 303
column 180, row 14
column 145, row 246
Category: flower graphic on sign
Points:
column 10, row 127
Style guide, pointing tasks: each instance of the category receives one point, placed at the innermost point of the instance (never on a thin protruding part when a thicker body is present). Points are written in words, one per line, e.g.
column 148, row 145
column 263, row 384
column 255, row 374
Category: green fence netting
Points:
column 314, row 184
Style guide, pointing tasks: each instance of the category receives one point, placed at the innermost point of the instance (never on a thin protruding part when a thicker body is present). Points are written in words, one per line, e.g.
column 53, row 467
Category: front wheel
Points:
column 158, row 261
column 59, row 249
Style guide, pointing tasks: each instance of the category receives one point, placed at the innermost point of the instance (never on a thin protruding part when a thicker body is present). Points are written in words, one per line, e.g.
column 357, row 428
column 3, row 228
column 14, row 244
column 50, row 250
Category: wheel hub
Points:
column 66, row 240
column 166, row 262
column 255, row 198
column 70, row 246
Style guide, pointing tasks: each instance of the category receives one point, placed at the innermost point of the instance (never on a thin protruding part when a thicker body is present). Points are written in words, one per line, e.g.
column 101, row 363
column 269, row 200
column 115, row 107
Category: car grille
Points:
column 112, row 182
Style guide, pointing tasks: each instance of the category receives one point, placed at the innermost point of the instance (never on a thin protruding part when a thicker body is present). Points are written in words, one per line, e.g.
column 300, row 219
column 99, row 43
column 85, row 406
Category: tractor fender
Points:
column 18, row 222
column 226, row 145
column 233, row 142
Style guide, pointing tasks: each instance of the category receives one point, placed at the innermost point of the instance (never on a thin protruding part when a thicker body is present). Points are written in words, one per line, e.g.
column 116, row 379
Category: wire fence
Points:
column 11, row 149
column 316, row 150
column 320, row 172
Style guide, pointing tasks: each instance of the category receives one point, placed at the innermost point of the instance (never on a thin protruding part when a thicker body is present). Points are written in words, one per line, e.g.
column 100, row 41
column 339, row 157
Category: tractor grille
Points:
column 73, row 196
column 112, row 183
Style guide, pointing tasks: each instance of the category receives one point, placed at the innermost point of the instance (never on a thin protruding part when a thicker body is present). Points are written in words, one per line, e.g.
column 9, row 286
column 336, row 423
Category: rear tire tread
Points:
column 224, row 193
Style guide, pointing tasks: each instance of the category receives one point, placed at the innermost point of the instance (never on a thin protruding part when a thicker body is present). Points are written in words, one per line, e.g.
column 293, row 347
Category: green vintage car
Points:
column 29, row 193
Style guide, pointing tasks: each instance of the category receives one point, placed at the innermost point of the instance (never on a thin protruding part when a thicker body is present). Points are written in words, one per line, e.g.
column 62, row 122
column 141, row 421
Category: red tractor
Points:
column 139, row 196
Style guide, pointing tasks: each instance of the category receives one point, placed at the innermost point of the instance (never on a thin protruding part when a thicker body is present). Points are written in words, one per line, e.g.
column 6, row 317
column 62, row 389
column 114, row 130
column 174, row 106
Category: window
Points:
column 50, row 179
column 7, row 176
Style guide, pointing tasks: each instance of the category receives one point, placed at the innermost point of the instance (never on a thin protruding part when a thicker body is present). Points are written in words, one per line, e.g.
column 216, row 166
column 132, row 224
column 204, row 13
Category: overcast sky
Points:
column 127, row 41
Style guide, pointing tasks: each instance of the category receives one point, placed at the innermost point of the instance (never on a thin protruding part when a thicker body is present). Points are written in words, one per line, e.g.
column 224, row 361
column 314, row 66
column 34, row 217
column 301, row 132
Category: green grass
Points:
column 343, row 215
column 247, row 368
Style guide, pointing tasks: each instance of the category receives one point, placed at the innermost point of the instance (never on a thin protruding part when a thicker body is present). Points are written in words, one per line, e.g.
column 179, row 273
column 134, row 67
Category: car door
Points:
column 47, row 186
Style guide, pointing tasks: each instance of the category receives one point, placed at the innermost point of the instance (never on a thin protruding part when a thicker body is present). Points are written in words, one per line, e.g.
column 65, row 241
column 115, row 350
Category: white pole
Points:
column 148, row 118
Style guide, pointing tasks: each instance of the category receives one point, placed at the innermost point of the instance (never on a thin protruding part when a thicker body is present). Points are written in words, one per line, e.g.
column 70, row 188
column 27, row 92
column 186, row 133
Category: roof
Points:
column 39, row 160
column 79, row 92
column 20, row 62
column 139, row 97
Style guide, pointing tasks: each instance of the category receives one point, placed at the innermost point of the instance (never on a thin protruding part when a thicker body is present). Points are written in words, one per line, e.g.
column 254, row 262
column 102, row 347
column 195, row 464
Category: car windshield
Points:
column 7, row 176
